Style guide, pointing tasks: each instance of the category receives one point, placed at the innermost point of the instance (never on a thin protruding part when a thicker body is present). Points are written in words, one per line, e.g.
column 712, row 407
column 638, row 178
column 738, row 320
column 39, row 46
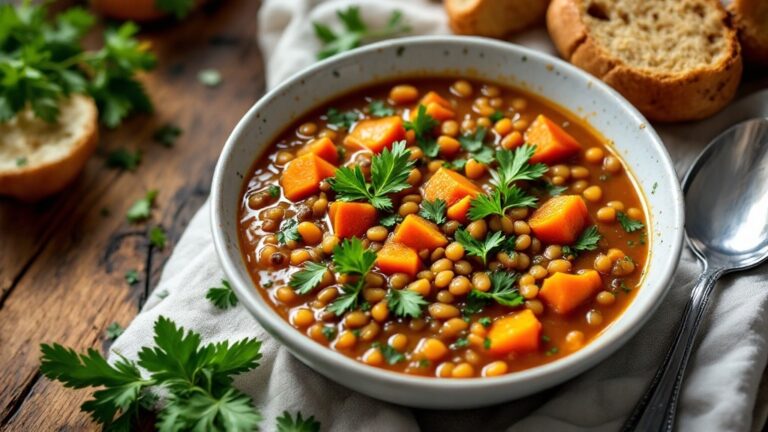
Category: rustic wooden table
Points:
column 63, row 261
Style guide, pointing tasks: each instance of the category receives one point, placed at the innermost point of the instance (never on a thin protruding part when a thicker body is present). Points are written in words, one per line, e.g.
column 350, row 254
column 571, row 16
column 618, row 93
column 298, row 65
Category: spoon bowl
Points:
column 726, row 198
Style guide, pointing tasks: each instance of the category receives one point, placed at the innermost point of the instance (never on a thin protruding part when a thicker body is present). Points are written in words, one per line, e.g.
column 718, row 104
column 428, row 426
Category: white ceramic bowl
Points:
column 507, row 64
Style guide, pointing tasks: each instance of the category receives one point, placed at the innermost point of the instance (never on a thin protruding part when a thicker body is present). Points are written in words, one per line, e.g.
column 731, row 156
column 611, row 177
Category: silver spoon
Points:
column 726, row 223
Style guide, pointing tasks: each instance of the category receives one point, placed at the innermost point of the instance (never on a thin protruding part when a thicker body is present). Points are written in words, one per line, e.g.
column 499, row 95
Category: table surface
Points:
column 63, row 261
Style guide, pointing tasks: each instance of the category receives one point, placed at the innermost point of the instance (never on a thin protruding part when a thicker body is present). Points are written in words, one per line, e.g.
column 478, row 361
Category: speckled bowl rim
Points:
column 537, row 378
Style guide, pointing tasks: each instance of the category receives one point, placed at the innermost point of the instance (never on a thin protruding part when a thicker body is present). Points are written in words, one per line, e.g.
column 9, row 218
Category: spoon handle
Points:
column 656, row 410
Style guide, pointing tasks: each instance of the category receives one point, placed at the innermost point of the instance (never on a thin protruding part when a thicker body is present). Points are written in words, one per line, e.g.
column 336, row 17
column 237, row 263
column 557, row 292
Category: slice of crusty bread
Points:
column 675, row 60
column 751, row 18
column 493, row 18
column 37, row 158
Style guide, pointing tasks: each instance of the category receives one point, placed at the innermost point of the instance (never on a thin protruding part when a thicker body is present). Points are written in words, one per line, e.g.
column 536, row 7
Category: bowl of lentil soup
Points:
column 447, row 222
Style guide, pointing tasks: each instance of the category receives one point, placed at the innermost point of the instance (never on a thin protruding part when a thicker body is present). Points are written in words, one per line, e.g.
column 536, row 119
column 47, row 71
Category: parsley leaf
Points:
column 501, row 199
column 433, row 211
column 289, row 231
column 389, row 172
column 456, row 164
column 347, row 300
column 198, row 380
column 628, row 224
column 479, row 248
column 485, row 322
column 307, row 279
column 405, row 303
column 422, row 127
column 114, row 331
column 351, row 258
column 391, row 220
column 587, row 241
column 179, row 8
column 222, row 297
column 167, row 134
column 391, row 355
column 329, row 332
column 286, row 423
column 22, row 162
column 502, row 290
column 140, row 210
column 157, row 237
column 496, row 116
column 209, row 77
column 341, row 119
column 355, row 32
column 514, row 166
column 131, row 277
column 379, row 108
column 473, row 144
column 124, row 159
column 274, row 191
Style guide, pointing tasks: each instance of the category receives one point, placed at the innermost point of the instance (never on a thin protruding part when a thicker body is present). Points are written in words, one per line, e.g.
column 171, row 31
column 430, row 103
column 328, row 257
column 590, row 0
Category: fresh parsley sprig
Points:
column 355, row 32
column 390, row 354
column 198, row 379
column 222, row 297
column 628, row 224
column 501, row 199
column 473, row 143
column 351, row 258
column 379, row 108
column 389, row 172
column 587, row 241
column 308, row 278
column 479, row 248
column 433, row 210
column 502, row 290
column 341, row 119
column 422, row 126
column 405, row 303
column 289, row 231
column 286, row 423
column 514, row 165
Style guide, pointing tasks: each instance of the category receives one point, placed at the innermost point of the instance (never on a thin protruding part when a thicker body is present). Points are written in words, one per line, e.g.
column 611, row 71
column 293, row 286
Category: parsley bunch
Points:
column 355, row 32
column 389, row 172
column 42, row 62
column 352, row 259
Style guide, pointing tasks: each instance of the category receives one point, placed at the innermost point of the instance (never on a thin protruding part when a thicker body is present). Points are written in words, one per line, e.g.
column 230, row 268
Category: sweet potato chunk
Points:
column 398, row 258
column 449, row 186
column 433, row 97
column 323, row 147
column 560, row 220
column 302, row 176
column 376, row 134
column 553, row 144
column 564, row 292
column 351, row 219
column 518, row 332
column 419, row 233
column 459, row 211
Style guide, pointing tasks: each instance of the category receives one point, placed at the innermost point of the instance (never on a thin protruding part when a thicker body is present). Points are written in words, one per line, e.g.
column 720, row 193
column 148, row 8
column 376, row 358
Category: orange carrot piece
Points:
column 419, row 233
column 325, row 148
column 351, row 219
column 302, row 176
column 376, row 134
column 459, row 211
column 564, row 292
column 449, row 186
column 433, row 97
column 439, row 112
column 518, row 332
column 553, row 144
column 560, row 220
column 398, row 258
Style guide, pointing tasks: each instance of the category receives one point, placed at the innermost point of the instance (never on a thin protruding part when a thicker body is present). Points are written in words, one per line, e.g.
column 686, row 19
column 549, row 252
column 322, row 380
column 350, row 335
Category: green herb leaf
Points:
column 124, row 159
column 307, row 279
column 21, row 162
column 433, row 211
column 496, row 116
column 587, row 241
column 157, row 237
column 274, row 191
column 379, row 108
column 347, row 300
column 167, row 134
column 473, row 144
column 479, row 248
column 502, row 290
column 209, row 77
column 141, row 209
column 286, row 423
column 456, row 164
column 114, row 330
column 628, row 224
column 341, row 119
column 351, row 258
column 460, row 343
column 485, row 322
column 132, row 277
column 222, row 297
column 391, row 355
column 501, row 199
column 514, row 166
column 289, row 231
column 329, row 332
column 390, row 220
column 177, row 8
column 354, row 32
column 405, row 303
column 422, row 126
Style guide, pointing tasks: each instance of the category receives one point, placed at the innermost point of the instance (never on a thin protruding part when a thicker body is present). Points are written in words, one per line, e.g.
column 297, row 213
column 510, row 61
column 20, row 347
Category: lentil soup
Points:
column 443, row 227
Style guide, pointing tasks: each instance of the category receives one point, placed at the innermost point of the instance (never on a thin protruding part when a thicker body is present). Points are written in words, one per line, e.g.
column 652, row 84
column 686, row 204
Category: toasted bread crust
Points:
column 36, row 181
column 666, row 97
column 493, row 18
column 753, row 33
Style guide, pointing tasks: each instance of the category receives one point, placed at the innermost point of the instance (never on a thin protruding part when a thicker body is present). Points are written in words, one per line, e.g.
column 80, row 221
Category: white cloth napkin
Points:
column 720, row 389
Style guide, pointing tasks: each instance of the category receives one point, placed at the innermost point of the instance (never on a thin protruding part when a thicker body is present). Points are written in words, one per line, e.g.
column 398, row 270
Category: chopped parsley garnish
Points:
column 209, row 77
column 485, row 322
column 341, row 119
column 178, row 8
column 132, row 277
column 628, row 224
column 553, row 190
column 351, row 258
column 222, row 297
column 473, row 144
column 587, row 241
column 124, row 159
column 502, row 290
column 308, row 278
column 114, row 331
column 141, row 209
column 274, row 191
column 405, row 303
column 422, row 127
column 456, row 164
column 496, row 116
column 389, row 172
column 167, row 134
column 391, row 220
column 355, row 32
column 329, row 332
column 379, row 108
column 22, row 162
column 501, row 199
column 478, row 248
column 391, row 355
column 433, row 211
column 197, row 379
column 286, row 423
column 157, row 237
column 289, row 231
column 461, row 343
column 487, row 343
column 552, row 351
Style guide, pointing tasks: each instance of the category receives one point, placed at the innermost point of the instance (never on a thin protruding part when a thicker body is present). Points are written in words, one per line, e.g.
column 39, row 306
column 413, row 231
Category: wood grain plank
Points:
column 66, row 283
